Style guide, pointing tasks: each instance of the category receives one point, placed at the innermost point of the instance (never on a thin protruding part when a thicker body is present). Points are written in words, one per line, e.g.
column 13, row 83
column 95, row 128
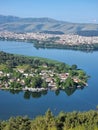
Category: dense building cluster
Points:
column 69, row 39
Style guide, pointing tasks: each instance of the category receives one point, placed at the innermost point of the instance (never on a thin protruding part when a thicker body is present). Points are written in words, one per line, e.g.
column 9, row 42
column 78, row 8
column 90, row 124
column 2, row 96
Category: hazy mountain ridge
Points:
column 17, row 24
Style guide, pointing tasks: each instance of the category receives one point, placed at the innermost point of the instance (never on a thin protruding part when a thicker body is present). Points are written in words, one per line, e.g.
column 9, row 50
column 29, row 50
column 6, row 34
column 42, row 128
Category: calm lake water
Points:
column 80, row 100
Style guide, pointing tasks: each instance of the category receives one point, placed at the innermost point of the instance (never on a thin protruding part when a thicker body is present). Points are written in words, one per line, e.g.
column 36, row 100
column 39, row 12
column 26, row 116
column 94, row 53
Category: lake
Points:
column 13, row 104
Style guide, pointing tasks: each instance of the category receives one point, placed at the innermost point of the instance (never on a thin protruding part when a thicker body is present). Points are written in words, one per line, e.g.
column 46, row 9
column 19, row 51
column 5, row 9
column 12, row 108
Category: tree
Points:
column 74, row 67
column 27, row 81
column 68, row 82
column 44, row 84
column 58, row 82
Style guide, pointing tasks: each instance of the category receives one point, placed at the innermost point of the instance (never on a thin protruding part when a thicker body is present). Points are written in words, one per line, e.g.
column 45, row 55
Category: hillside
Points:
column 47, row 25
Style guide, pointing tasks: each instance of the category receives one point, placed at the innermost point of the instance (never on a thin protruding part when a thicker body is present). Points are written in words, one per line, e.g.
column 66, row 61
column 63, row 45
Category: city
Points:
column 64, row 39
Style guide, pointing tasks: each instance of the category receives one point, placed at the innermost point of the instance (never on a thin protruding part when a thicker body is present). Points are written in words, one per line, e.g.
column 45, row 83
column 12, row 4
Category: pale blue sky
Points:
column 67, row 10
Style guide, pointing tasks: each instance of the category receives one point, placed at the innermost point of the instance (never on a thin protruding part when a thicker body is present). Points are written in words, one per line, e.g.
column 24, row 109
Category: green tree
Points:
column 37, row 82
column 68, row 82
column 74, row 67
column 58, row 82
column 44, row 84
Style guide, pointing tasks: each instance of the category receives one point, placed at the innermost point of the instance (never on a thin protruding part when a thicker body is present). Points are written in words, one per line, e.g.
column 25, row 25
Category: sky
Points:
column 79, row 11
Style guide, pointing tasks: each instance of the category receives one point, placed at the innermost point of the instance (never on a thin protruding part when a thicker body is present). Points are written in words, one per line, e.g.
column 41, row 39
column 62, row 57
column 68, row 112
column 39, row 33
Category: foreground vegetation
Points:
column 27, row 73
column 64, row 121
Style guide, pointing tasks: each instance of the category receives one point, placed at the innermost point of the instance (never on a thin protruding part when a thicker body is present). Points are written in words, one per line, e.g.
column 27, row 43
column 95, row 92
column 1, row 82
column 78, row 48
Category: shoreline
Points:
column 56, row 44
column 34, row 89
column 26, row 89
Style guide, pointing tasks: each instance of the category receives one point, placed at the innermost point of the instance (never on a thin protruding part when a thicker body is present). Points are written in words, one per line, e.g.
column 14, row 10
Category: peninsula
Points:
column 38, row 74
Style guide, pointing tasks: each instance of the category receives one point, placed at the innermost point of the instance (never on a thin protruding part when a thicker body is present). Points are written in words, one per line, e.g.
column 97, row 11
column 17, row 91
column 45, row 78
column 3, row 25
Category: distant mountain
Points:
column 47, row 25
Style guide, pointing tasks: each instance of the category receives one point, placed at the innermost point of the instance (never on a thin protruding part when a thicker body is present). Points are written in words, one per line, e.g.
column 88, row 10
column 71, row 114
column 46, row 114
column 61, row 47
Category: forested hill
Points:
column 47, row 25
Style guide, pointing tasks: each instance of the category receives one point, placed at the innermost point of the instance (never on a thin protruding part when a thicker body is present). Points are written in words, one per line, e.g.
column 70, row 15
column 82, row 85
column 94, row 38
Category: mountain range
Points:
column 47, row 25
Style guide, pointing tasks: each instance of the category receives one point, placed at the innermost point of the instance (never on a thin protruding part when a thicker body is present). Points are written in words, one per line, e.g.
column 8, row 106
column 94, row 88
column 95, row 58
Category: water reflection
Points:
column 86, row 50
column 69, row 90
column 28, row 94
